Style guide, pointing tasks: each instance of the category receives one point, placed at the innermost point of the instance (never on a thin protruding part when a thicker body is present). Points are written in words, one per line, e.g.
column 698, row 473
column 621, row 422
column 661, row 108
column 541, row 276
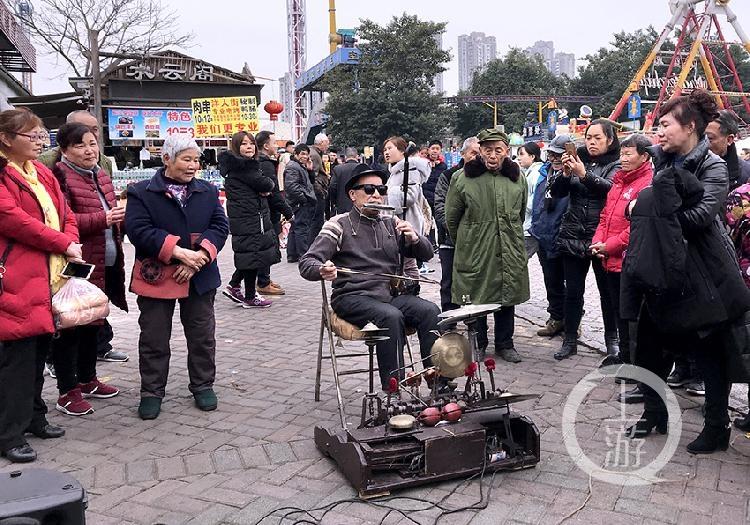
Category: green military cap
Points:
column 489, row 135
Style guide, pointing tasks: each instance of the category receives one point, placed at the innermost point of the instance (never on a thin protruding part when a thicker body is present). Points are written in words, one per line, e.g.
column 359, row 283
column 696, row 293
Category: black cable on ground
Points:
column 383, row 504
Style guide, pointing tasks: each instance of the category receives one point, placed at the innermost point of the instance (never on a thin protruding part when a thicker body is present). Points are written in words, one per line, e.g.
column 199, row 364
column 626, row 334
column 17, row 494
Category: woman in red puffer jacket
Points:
column 613, row 233
column 37, row 232
column 92, row 198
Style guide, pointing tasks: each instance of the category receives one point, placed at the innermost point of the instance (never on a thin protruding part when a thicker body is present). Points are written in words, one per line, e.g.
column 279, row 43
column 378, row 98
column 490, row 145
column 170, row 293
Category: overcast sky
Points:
column 229, row 33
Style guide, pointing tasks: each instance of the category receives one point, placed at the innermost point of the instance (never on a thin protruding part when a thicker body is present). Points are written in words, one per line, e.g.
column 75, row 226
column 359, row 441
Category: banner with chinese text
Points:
column 148, row 123
column 224, row 116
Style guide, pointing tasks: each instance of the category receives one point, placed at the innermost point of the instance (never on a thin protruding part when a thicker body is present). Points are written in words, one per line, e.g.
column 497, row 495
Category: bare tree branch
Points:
column 125, row 26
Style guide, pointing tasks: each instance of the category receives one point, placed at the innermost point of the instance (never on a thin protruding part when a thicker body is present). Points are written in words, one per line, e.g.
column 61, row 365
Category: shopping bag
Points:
column 78, row 303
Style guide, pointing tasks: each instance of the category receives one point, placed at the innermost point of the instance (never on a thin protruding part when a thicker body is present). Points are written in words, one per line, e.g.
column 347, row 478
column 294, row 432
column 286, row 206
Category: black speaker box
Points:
column 46, row 496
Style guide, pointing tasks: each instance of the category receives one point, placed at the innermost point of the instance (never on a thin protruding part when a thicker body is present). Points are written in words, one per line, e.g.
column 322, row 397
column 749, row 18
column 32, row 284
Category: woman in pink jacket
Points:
column 613, row 233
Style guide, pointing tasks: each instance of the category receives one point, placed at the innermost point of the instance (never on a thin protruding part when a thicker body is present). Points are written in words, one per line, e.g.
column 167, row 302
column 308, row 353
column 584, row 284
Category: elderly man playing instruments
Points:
column 363, row 240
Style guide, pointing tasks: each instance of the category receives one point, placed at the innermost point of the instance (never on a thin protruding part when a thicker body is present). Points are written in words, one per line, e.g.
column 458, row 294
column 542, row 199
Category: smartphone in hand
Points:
column 570, row 149
column 77, row 269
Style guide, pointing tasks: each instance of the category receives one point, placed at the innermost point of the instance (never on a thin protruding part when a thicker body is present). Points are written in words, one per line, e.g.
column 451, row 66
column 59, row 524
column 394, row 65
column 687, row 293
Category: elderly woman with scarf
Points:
column 91, row 196
column 587, row 178
column 484, row 213
column 178, row 227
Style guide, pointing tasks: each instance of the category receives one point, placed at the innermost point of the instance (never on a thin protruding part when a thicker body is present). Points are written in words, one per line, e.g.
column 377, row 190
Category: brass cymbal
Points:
column 371, row 330
column 515, row 398
column 451, row 354
column 469, row 311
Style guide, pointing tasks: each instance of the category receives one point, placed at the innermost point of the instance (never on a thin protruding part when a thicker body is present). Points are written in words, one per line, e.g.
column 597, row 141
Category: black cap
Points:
column 363, row 170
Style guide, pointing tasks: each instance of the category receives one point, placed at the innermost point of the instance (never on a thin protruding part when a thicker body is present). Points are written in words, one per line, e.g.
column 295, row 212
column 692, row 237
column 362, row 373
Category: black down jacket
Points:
column 587, row 199
column 253, row 237
column 276, row 201
column 710, row 289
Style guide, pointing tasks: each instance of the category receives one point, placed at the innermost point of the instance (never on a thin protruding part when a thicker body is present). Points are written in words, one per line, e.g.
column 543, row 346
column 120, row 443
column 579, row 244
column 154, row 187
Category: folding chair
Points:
column 338, row 327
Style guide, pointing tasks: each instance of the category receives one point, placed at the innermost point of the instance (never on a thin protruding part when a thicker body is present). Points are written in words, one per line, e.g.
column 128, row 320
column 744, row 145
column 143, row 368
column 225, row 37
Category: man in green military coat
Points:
column 484, row 213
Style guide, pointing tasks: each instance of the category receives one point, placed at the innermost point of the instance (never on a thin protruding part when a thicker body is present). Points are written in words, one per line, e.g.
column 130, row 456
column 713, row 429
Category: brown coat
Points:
column 81, row 192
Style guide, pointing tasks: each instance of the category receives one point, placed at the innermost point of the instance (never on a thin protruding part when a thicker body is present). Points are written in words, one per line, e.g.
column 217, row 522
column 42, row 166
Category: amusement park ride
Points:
column 700, row 40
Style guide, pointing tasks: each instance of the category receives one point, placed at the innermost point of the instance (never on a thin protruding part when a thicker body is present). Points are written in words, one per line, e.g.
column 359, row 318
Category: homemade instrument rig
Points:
column 405, row 440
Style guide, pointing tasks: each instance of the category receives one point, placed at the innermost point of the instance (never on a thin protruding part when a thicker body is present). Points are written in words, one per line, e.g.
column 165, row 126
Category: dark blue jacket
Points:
column 547, row 213
column 428, row 188
column 155, row 222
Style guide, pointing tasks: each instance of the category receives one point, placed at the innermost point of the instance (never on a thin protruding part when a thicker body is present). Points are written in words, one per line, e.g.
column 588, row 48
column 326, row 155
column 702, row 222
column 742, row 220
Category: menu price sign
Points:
column 148, row 123
column 224, row 116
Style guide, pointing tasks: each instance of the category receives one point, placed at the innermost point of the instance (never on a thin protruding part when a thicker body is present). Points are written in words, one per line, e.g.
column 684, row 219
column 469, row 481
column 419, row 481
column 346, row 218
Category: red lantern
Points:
column 273, row 108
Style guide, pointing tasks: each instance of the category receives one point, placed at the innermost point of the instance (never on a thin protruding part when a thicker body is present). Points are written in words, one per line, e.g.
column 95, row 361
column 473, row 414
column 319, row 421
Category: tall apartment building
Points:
column 556, row 63
column 545, row 49
column 475, row 51
column 564, row 64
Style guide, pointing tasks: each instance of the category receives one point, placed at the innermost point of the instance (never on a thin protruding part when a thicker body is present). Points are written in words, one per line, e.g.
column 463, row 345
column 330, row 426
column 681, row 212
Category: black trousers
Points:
column 395, row 315
column 575, row 270
column 74, row 356
column 446, row 279
column 264, row 274
column 318, row 219
column 687, row 362
column 504, row 328
column 655, row 352
column 104, row 338
column 249, row 277
column 298, row 242
column 21, row 381
column 624, row 328
column 554, row 283
column 198, row 322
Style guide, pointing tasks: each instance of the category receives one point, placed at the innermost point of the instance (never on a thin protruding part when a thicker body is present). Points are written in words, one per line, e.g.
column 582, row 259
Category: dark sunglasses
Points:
column 369, row 189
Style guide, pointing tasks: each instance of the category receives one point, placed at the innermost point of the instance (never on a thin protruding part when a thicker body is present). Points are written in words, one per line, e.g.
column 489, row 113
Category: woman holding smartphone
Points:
column 587, row 178
column 37, row 232
column 91, row 196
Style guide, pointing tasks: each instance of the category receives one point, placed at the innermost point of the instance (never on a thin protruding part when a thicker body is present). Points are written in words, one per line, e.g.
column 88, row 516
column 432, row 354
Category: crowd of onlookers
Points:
column 665, row 229
column 59, row 207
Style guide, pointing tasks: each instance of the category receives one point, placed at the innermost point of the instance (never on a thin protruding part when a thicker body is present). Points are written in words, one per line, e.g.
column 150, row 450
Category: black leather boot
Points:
column 610, row 360
column 21, row 454
column 710, row 440
column 568, row 348
column 648, row 422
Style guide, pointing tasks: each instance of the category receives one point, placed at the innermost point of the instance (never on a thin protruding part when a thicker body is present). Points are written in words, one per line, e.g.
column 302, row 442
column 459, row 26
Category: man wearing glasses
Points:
column 546, row 216
column 366, row 241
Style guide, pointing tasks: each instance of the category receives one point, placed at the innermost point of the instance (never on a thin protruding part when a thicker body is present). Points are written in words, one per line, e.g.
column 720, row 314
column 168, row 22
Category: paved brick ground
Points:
column 255, row 453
